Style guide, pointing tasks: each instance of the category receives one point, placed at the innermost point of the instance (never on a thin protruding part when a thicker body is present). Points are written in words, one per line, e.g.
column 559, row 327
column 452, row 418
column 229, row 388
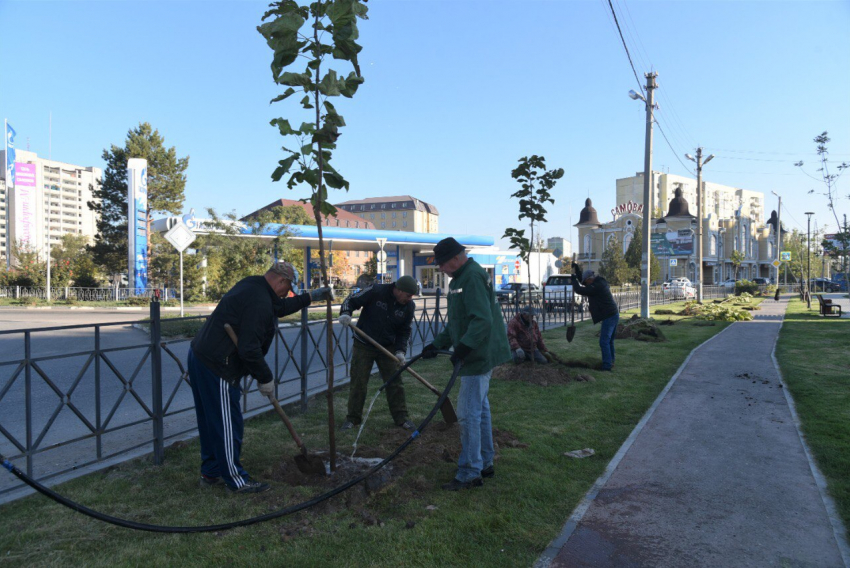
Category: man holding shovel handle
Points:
column 386, row 318
column 217, row 364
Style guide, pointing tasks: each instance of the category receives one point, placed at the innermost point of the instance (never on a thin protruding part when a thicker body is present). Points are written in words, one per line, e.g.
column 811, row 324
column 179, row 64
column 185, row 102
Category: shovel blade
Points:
column 310, row 464
column 571, row 333
column 448, row 412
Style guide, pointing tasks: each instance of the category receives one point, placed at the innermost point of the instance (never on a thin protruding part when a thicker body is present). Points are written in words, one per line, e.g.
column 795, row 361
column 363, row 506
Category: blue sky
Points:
column 456, row 91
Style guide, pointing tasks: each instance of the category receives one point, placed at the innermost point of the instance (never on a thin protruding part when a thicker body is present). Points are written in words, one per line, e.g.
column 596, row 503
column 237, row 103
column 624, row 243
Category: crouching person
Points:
column 216, row 367
column 524, row 338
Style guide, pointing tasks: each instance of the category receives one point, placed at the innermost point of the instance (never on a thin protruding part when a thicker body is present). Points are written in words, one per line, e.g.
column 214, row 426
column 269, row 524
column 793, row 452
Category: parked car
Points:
column 823, row 285
column 558, row 290
column 761, row 281
column 729, row 283
column 679, row 288
column 507, row 292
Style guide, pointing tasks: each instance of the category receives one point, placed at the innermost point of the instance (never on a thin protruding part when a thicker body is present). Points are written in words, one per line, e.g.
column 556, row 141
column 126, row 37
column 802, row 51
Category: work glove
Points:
column 266, row 389
column 576, row 269
column 519, row 353
column 460, row 353
column 345, row 319
column 322, row 294
column 429, row 351
column 400, row 356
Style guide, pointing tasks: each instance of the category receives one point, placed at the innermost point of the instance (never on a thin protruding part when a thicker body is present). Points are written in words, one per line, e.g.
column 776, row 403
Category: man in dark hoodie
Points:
column 216, row 367
column 603, row 309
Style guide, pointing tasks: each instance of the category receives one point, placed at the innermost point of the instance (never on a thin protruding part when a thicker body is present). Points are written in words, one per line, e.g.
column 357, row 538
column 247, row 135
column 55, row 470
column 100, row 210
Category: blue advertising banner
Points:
column 137, row 228
column 10, row 156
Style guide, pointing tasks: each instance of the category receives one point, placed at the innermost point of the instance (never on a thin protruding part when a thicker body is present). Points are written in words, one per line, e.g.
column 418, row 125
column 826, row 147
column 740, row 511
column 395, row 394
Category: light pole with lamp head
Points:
column 645, row 275
column 809, row 260
column 778, row 239
column 700, row 163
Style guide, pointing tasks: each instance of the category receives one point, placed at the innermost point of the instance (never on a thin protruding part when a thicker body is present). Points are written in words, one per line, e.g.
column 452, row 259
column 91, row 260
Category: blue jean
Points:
column 476, row 429
column 606, row 340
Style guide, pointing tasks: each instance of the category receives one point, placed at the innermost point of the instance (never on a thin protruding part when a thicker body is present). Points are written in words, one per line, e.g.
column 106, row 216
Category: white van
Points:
column 558, row 290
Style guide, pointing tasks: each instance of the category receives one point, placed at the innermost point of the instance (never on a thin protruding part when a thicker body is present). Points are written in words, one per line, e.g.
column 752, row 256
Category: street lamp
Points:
column 809, row 260
column 700, row 163
column 778, row 239
column 645, row 276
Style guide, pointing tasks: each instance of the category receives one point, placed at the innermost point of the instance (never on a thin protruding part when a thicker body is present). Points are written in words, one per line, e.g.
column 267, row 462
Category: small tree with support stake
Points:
column 537, row 184
column 315, row 32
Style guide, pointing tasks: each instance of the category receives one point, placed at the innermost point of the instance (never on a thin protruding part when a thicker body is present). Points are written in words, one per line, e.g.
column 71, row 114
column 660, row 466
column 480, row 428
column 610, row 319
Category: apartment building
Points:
column 396, row 213
column 56, row 202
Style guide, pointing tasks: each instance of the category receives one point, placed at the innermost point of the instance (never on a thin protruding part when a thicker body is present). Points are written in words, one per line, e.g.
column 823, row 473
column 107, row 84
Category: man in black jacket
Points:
column 603, row 309
column 216, row 367
column 386, row 317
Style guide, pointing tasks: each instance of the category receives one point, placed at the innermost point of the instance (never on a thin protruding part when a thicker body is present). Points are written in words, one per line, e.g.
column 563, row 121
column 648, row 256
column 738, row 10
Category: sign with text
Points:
column 673, row 243
column 137, row 227
column 785, row 256
column 627, row 207
column 25, row 204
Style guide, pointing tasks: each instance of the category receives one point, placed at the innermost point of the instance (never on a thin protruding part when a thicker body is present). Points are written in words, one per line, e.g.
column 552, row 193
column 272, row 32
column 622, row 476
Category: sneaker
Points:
column 207, row 481
column 456, row 485
column 407, row 425
column 251, row 486
column 347, row 425
column 488, row 472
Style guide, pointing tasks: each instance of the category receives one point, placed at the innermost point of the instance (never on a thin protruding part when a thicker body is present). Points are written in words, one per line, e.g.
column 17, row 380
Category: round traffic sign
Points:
column 382, row 256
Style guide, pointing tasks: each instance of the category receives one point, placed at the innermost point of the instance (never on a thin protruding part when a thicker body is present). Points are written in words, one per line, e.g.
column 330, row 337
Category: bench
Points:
column 827, row 308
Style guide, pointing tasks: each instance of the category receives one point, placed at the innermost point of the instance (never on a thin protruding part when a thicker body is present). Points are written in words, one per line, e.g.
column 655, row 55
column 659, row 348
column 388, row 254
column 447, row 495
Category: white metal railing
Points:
column 82, row 294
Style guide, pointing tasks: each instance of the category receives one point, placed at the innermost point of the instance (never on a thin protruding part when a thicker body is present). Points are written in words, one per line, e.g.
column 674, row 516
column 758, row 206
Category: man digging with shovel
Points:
column 386, row 317
column 602, row 307
column 216, row 366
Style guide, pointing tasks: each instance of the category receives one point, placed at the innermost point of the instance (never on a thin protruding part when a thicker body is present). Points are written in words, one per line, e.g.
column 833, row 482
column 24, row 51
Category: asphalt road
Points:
column 73, row 393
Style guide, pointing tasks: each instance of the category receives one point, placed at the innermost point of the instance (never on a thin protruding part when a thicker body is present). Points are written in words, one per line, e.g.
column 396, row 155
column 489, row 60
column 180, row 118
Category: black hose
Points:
column 253, row 520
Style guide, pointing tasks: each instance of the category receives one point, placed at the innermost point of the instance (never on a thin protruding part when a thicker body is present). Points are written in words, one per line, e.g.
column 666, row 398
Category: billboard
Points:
column 137, row 228
column 673, row 243
column 10, row 155
column 25, row 204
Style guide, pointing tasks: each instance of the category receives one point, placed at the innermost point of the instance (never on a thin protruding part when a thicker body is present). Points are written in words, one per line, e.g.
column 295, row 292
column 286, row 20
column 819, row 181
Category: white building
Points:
column 721, row 201
column 555, row 243
column 59, row 203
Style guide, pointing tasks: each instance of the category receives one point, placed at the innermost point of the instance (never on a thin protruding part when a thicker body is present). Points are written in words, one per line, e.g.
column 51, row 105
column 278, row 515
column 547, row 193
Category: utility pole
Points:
column 645, row 276
column 809, row 259
column 700, row 164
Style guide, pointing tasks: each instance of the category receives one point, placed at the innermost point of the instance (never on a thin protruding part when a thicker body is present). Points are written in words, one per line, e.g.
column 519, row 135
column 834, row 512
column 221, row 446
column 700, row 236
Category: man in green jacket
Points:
column 476, row 331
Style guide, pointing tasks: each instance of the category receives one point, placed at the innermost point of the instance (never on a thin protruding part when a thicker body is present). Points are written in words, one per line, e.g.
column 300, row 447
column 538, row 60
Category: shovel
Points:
column 447, row 409
column 306, row 463
column 571, row 331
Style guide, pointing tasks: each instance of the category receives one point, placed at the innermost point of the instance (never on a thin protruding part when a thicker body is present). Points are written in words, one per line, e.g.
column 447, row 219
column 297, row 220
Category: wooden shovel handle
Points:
column 383, row 350
column 229, row 329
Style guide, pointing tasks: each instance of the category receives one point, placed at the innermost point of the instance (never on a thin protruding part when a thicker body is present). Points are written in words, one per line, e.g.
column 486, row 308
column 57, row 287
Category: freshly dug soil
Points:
column 639, row 329
column 542, row 375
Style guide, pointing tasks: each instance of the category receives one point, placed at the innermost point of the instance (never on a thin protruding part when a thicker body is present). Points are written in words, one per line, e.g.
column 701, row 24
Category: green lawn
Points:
column 814, row 355
column 508, row 522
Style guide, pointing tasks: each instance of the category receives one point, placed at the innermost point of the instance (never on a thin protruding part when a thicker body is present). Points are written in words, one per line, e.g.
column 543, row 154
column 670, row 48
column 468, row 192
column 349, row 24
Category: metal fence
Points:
column 78, row 294
column 83, row 396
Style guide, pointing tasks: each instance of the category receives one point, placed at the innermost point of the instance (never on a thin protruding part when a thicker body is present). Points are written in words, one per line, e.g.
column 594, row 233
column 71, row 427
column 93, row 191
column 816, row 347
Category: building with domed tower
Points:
column 733, row 219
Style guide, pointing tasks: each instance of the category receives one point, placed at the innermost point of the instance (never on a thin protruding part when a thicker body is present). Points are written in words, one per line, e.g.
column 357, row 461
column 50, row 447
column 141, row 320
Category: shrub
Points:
column 746, row 286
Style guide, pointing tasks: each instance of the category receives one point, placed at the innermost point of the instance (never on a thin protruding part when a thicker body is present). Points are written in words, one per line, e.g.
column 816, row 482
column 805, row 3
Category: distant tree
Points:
column 71, row 263
column 612, row 266
column 291, row 215
column 166, row 183
column 28, row 269
column 634, row 252
column 164, row 268
column 370, row 268
column 840, row 246
column 736, row 258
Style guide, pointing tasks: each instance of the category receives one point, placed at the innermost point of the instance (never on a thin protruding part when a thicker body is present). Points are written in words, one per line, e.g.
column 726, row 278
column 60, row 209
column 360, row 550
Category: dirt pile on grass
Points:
column 541, row 375
column 640, row 329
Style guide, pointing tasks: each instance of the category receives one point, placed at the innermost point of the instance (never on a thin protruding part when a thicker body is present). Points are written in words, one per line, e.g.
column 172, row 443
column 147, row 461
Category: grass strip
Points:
column 411, row 522
column 814, row 354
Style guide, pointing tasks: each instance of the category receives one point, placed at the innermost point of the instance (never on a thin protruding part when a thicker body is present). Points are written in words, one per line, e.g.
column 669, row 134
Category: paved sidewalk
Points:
column 718, row 475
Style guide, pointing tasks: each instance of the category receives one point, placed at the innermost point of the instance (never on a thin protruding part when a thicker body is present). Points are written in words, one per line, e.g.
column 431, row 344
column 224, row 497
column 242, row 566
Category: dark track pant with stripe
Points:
column 220, row 424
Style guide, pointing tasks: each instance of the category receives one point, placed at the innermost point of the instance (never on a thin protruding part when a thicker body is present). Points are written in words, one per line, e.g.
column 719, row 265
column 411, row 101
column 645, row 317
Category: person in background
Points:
column 524, row 338
column 602, row 307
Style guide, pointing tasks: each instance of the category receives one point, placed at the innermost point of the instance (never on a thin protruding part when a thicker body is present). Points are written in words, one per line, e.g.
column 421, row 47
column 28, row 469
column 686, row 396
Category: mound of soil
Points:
column 542, row 375
column 639, row 329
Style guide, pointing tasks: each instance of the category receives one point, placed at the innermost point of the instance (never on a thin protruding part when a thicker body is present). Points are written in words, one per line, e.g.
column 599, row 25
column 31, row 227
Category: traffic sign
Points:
column 382, row 267
column 382, row 256
column 674, row 261
column 558, row 252
column 776, row 263
column 785, row 256
column 180, row 236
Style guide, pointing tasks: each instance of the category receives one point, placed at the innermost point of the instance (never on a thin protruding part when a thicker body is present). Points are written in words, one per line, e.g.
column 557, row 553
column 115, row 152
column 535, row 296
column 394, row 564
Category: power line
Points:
column 774, row 153
column 629, row 55
column 687, row 169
